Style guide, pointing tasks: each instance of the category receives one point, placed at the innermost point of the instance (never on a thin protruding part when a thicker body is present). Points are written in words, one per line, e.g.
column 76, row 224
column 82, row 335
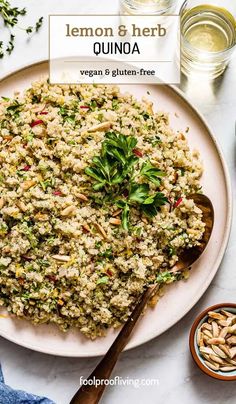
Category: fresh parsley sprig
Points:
column 115, row 163
column 113, row 171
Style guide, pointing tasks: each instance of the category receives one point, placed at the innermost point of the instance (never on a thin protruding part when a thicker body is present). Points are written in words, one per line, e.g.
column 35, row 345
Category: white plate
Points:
column 179, row 298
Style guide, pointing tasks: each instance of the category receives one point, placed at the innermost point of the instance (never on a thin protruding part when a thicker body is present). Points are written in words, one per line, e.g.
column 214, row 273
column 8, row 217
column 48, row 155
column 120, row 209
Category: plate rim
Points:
column 228, row 224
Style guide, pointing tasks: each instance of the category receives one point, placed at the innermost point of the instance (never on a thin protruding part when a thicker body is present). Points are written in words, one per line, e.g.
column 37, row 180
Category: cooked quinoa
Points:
column 66, row 256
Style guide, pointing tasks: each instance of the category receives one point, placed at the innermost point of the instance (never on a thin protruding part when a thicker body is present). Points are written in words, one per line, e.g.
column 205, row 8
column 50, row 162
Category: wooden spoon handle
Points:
column 91, row 394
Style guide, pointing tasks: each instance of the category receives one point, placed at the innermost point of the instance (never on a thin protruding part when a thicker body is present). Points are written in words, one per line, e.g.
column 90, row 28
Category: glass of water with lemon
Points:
column 208, row 36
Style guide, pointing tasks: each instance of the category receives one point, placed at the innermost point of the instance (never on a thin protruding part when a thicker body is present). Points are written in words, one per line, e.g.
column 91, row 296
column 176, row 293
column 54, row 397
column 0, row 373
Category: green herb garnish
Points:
column 106, row 254
column 167, row 277
column 113, row 172
column 14, row 109
column 115, row 104
column 48, row 183
column 152, row 173
column 10, row 16
column 43, row 263
column 115, row 163
column 66, row 115
column 154, row 140
column 103, row 280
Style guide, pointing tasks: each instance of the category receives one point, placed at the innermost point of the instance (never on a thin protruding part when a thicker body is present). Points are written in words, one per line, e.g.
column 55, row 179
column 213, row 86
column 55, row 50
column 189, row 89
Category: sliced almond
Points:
column 41, row 217
column 21, row 205
column 27, row 184
column 216, row 359
column 68, row 211
column 150, row 108
column 86, row 228
column 225, row 323
column 115, row 221
column 216, row 341
column 117, row 212
column 1, row 203
column 231, row 361
column 7, row 137
column 232, row 330
column 206, row 356
column 201, row 342
column 227, row 368
column 227, row 313
column 207, row 333
column 216, row 316
column 199, row 336
column 206, row 350
column 210, row 320
column 219, row 351
column 101, row 230
column 206, row 326
column 205, row 339
column 232, row 352
column 82, row 197
column 62, row 258
column 100, row 127
column 231, row 340
column 211, row 366
column 225, row 349
column 215, row 329
column 223, row 332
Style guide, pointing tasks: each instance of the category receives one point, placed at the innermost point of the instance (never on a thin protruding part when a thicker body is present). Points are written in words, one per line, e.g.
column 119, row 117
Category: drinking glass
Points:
column 208, row 36
column 148, row 7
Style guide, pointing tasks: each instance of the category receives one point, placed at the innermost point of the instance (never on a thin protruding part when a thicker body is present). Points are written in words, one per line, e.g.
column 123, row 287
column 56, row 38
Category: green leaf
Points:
column 149, row 200
column 160, row 199
column 125, row 217
column 115, row 104
column 171, row 251
column 166, row 277
column 66, row 115
column 117, row 154
column 122, row 142
column 94, row 173
column 152, row 204
column 138, row 193
column 146, row 116
column 43, row 263
column 106, row 254
column 103, row 280
column 121, row 204
column 152, row 173
column 14, row 109
column 149, row 210
column 99, row 186
column 118, row 178
column 93, row 105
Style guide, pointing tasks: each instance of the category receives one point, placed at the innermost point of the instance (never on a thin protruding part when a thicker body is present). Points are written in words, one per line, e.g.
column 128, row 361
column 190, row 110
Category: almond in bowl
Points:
column 213, row 341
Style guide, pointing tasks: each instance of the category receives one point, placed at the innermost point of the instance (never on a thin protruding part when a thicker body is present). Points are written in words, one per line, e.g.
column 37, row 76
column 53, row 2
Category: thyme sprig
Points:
column 10, row 16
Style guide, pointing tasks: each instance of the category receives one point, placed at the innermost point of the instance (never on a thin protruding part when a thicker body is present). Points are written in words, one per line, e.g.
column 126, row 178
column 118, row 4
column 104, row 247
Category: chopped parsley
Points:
column 103, row 280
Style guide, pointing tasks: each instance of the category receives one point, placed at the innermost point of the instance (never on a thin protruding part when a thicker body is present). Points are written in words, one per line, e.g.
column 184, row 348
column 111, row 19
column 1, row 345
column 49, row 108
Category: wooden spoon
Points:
column 91, row 394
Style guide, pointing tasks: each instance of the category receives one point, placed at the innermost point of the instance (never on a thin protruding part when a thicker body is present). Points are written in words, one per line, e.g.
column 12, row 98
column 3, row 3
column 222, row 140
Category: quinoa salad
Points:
column 94, row 204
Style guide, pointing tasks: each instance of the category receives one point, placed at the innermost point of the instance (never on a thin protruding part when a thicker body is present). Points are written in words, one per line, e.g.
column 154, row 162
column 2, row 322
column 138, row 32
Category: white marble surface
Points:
column 166, row 358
